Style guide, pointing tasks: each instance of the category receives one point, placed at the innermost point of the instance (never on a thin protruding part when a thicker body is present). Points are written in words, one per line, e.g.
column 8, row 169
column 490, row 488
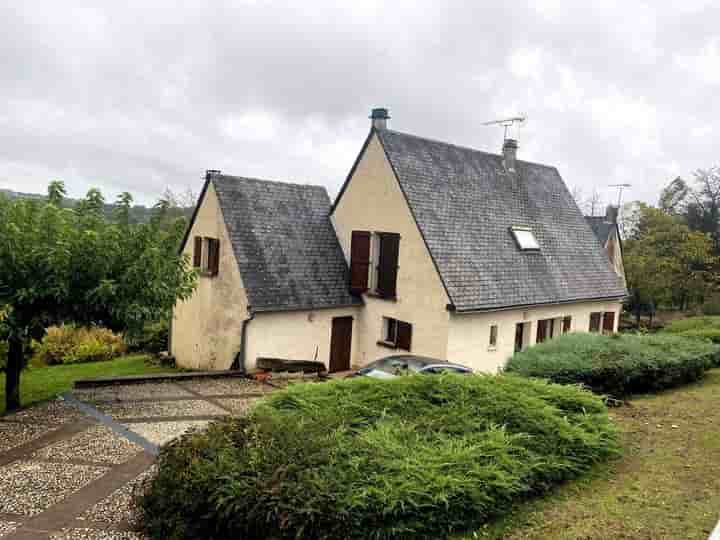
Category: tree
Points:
column 56, row 192
column 666, row 262
column 60, row 264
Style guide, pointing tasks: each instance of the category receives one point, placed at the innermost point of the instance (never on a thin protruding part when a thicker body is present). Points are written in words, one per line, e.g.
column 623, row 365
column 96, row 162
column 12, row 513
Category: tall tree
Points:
column 74, row 265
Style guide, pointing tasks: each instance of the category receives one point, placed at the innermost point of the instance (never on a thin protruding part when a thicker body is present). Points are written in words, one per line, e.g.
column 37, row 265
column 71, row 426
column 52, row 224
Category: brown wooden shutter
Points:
column 595, row 322
column 213, row 256
column 404, row 335
column 566, row 324
column 388, row 265
column 541, row 331
column 609, row 322
column 359, row 261
column 197, row 253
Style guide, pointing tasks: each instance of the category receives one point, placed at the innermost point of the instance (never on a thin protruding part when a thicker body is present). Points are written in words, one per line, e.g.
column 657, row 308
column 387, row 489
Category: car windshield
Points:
column 399, row 364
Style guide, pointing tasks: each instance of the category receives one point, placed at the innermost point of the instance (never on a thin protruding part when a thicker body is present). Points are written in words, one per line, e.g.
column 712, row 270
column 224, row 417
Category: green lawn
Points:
column 667, row 485
column 39, row 383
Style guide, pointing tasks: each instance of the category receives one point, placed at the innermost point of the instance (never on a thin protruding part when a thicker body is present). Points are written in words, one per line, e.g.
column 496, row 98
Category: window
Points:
column 396, row 334
column 608, row 322
column 206, row 255
column 595, row 321
column 544, row 330
column 374, row 263
column 493, row 336
column 566, row 322
column 525, row 238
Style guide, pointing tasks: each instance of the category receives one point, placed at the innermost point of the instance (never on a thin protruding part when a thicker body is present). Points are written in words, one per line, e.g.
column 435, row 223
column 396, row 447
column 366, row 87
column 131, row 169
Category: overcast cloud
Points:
column 128, row 97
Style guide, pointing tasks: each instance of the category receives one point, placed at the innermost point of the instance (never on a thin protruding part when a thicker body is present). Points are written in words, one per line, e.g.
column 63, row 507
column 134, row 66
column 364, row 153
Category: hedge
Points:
column 68, row 344
column 696, row 327
column 414, row 457
column 617, row 365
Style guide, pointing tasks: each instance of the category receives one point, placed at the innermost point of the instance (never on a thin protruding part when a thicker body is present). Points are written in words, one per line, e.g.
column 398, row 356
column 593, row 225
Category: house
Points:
column 608, row 234
column 429, row 248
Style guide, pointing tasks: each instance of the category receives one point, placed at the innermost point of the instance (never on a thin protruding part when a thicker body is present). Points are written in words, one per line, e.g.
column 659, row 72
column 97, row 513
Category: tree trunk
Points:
column 12, row 373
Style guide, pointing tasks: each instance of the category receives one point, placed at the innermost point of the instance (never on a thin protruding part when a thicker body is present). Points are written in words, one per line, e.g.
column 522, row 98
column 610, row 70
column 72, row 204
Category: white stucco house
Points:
column 429, row 247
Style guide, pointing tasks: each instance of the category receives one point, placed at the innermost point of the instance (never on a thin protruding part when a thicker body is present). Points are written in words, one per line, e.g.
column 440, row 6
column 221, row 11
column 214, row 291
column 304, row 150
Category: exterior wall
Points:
column 206, row 328
column 373, row 201
column 469, row 334
column 296, row 335
column 614, row 251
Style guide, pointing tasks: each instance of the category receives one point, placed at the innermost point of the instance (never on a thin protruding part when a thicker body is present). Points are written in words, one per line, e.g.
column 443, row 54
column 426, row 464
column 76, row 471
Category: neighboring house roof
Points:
column 601, row 227
column 286, row 248
column 465, row 202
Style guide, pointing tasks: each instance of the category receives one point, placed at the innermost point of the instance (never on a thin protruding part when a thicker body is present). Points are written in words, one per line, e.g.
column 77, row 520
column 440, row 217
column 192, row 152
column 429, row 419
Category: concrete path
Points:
column 68, row 470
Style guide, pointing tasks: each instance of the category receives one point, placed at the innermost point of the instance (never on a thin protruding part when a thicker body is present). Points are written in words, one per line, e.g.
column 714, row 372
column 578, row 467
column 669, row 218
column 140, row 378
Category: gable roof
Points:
column 465, row 202
column 285, row 246
column 601, row 227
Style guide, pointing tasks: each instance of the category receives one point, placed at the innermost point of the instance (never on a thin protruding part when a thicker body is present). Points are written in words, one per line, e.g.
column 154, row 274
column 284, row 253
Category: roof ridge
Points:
column 461, row 147
column 266, row 181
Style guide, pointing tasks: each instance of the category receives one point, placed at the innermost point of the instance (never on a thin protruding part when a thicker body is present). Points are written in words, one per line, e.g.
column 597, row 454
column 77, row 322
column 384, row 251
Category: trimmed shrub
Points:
column 617, row 365
column 696, row 327
column 153, row 338
column 413, row 457
column 68, row 344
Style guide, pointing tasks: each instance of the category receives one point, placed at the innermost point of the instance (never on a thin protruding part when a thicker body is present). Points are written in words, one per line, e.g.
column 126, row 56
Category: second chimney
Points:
column 379, row 118
column 509, row 151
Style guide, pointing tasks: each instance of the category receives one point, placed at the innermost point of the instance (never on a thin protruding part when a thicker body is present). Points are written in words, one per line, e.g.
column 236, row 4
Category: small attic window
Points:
column 525, row 238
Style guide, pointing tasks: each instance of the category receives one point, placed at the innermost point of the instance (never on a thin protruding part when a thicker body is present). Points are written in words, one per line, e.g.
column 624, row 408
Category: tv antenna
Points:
column 507, row 122
column 620, row 188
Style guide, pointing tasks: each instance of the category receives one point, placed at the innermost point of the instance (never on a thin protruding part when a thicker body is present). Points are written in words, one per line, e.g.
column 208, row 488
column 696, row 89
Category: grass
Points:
column 40, row 383
column 666, row 486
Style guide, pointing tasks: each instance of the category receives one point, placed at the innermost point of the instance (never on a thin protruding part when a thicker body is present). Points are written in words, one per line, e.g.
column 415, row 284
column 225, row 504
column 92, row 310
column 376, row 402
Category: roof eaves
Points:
column 557, row 303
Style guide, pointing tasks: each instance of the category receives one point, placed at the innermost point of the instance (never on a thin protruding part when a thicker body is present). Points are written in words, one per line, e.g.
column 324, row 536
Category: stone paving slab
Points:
column 97, row 444
column 129, row 409
column 163, row 432
column 6, row 527
column 131, row 392
column 30, row 487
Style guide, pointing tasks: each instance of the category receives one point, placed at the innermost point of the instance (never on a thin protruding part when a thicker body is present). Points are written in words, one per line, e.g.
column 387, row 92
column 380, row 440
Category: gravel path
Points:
column 67, row 477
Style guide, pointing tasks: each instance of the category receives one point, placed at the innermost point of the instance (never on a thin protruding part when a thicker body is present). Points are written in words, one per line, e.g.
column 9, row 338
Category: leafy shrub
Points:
column 153, row 338
column 696, row 327
column 618, row 365
column 414, row 457
column 711, row 306
column 67, row 344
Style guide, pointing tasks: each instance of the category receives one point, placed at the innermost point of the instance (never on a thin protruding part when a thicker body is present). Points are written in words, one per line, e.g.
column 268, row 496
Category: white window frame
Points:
column 525, row 239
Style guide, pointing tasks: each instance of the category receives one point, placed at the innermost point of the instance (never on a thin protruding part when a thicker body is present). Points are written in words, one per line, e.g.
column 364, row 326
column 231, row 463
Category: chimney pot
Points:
column 379, row 117
column 509, row 151
column 211, row 172
column 611, row 213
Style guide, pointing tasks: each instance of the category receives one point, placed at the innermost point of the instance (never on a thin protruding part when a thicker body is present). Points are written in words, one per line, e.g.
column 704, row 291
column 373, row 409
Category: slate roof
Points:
column 464, row 202
column 601, row 227
column 286, row 248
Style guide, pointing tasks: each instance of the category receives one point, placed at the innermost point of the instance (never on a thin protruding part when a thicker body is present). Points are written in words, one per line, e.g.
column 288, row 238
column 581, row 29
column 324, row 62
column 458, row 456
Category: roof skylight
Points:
column 525, row 238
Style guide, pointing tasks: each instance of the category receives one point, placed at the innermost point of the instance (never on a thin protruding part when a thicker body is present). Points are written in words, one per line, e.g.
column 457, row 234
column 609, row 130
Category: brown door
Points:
column 608, row 322
column 519, row 327
column 340, row 344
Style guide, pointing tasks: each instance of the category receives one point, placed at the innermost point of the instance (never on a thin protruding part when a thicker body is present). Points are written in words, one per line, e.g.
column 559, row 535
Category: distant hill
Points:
column 138, row 213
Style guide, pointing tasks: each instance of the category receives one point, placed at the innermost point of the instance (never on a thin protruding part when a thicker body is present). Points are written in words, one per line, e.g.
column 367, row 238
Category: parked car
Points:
column 392, row 366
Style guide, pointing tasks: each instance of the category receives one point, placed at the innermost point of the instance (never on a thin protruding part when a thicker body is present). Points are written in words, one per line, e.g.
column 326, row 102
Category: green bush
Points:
column 152, row 339
column 617, row 365
column 68, row 344
column 696, row 327
column 414, row 457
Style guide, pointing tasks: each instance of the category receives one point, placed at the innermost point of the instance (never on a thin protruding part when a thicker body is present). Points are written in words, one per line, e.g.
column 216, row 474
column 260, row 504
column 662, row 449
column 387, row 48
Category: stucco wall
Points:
column 206, row 328
column 295, row 335
column 373, row 202
column 469, row 333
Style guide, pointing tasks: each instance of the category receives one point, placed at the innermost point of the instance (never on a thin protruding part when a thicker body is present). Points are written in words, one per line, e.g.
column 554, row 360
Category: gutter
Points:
column 239, row 362
column 453, row 309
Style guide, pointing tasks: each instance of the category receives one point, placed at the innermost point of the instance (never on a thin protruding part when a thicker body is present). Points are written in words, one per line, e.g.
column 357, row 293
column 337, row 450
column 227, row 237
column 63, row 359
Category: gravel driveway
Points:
column 66, row 474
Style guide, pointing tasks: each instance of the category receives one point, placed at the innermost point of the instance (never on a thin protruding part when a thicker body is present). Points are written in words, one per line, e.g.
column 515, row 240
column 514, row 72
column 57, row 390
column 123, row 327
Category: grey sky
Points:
column 123, row 96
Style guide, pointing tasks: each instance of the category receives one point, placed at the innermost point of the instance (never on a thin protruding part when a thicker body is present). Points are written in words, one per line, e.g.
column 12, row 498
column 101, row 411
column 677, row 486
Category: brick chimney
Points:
column 509, row 151
column 379, row 118
column 611, row 213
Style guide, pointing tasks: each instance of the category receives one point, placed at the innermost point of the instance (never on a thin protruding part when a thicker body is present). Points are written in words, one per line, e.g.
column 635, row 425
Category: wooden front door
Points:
column 340, row 344
column 608, row 322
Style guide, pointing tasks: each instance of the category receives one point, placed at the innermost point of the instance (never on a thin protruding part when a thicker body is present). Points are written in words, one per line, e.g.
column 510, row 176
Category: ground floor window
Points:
column 608, row 322
column 397, row 334
column 595, row 319
column 566, row 324
column 493, row 336
column 545, row 329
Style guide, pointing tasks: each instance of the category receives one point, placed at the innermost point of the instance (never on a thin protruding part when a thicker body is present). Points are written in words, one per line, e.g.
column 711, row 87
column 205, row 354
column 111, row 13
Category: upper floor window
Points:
column 374, row 263
column 206, row 255
column 525, row 238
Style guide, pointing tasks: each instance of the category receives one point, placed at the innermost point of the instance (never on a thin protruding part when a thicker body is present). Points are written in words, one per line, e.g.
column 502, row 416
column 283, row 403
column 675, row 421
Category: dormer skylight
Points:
column 525, row 238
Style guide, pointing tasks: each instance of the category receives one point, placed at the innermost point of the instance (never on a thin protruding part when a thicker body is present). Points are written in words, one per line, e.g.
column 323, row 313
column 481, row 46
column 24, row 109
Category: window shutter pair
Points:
column 404, row 335
column 213, row 257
